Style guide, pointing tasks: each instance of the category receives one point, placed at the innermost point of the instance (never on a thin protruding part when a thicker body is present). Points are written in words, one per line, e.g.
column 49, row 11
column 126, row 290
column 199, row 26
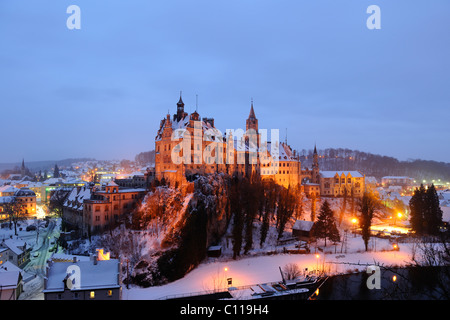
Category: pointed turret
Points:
column 180, row 109
column 252, row 122
column 252, row 112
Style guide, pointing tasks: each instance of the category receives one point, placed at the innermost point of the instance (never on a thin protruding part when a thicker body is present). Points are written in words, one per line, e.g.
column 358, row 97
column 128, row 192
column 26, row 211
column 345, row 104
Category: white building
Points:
column 96, row 280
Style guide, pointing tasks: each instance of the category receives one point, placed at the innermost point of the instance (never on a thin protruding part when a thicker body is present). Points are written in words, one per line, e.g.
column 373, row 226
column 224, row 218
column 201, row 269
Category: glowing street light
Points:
column 354, row 222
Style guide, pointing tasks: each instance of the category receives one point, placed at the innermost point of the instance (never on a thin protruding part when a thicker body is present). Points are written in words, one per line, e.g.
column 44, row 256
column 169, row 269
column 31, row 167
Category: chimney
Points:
column 74, row 260
column 95, row 260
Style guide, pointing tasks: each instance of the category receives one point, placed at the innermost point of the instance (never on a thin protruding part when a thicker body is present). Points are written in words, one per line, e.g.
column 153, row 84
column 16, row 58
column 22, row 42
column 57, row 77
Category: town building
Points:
column 92, row 279
column 23, row 198
column 17, row 251
column 397, row 181
column 27, row 199
column 341, row 183
column 11, row 285
column 94, row 209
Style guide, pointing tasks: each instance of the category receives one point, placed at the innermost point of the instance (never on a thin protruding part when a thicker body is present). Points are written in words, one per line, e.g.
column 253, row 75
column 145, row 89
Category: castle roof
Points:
column 332, row 174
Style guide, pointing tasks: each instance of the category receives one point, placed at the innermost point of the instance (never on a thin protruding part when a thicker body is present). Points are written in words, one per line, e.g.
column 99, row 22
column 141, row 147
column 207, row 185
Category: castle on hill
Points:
column 186, row 145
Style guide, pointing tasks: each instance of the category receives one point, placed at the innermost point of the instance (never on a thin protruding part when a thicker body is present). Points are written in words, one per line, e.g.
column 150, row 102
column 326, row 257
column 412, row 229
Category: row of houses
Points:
column 90, row 210
column 14, row 254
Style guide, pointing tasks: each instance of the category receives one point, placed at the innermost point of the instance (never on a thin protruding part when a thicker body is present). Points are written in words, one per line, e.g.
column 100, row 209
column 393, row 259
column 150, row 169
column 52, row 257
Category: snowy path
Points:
column 253, row 270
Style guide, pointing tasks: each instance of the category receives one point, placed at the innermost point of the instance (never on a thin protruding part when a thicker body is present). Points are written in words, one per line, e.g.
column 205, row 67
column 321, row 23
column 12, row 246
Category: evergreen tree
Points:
column 367, row 207
column 417, row 208
column 325, row 226
column 433, row 212
column 56, row 172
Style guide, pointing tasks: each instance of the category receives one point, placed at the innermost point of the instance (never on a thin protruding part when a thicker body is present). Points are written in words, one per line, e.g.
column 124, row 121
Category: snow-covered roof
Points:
column 8, row 189
column 303, row 225
column 9, row 266
column 25, row 192
column 68, row 257
column 112, row 184
column 102, row 275
column 331, row 174
column 283, row 151
column 6, row 199
column 77, row 196
column 9, row 279
column 446, row 214
column 14, row 245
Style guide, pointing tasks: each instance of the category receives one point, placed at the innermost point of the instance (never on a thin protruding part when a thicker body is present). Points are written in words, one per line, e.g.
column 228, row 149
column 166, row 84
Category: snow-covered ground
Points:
column 212, row 275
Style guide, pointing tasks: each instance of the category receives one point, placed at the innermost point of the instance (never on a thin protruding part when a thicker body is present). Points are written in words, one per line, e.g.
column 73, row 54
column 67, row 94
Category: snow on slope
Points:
column 261, row 269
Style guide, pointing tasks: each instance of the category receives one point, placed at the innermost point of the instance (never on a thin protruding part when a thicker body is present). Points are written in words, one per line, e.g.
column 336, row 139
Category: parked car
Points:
column 31, row 228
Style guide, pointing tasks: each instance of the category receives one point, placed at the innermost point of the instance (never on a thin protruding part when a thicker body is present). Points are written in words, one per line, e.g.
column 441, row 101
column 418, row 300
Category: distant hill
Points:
column 42, row 165
column 377, row 165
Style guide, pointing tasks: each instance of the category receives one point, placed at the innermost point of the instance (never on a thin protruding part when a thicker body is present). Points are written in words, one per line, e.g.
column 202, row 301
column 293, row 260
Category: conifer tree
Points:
column 417, row 208
column 433, row 212
column 367, row 207
column 56, row 172
column 325, row 226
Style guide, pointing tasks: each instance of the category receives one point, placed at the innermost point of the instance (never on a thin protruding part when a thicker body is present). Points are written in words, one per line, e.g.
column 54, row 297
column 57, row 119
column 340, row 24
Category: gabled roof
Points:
column 331, row 174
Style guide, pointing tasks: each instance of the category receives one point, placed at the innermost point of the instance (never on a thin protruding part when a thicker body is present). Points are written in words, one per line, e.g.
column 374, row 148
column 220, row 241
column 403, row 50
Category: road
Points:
column 37, row 265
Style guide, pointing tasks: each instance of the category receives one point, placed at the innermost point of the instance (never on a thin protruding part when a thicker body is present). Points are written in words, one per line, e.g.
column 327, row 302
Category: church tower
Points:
column 22, row 168
column 315, row 167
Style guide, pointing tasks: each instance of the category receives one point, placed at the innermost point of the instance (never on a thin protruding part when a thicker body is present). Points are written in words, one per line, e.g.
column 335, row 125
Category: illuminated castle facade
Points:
column 186, row 145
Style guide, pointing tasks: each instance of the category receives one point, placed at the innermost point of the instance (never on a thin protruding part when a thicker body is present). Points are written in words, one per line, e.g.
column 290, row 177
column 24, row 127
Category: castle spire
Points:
column 180, row 109
column 252, row 112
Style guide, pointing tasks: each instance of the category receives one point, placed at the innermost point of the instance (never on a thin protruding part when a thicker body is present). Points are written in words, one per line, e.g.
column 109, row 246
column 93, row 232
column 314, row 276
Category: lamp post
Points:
column 354, row 222
column 317, row 262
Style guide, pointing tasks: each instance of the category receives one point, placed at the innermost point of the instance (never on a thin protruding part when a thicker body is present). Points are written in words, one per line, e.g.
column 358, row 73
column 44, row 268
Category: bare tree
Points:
column 15, row 211
column 57, row 200
column 291, row 271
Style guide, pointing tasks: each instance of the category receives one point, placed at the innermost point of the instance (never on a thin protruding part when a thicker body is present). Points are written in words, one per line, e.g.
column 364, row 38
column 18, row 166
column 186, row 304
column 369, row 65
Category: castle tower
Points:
column 251, row 122
column 180, row 109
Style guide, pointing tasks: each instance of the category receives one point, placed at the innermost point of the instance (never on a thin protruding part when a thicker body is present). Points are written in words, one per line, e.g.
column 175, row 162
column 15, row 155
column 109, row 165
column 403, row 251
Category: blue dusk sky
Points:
column 312, row 67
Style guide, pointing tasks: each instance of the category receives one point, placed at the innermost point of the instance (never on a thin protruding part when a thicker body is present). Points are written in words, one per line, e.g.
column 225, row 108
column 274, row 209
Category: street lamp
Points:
column 317, row 262
column 354, row 222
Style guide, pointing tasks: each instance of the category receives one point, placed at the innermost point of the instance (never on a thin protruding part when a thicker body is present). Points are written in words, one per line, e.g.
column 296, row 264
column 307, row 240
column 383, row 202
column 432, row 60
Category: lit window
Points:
column 109, row 293
column 92, row 295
